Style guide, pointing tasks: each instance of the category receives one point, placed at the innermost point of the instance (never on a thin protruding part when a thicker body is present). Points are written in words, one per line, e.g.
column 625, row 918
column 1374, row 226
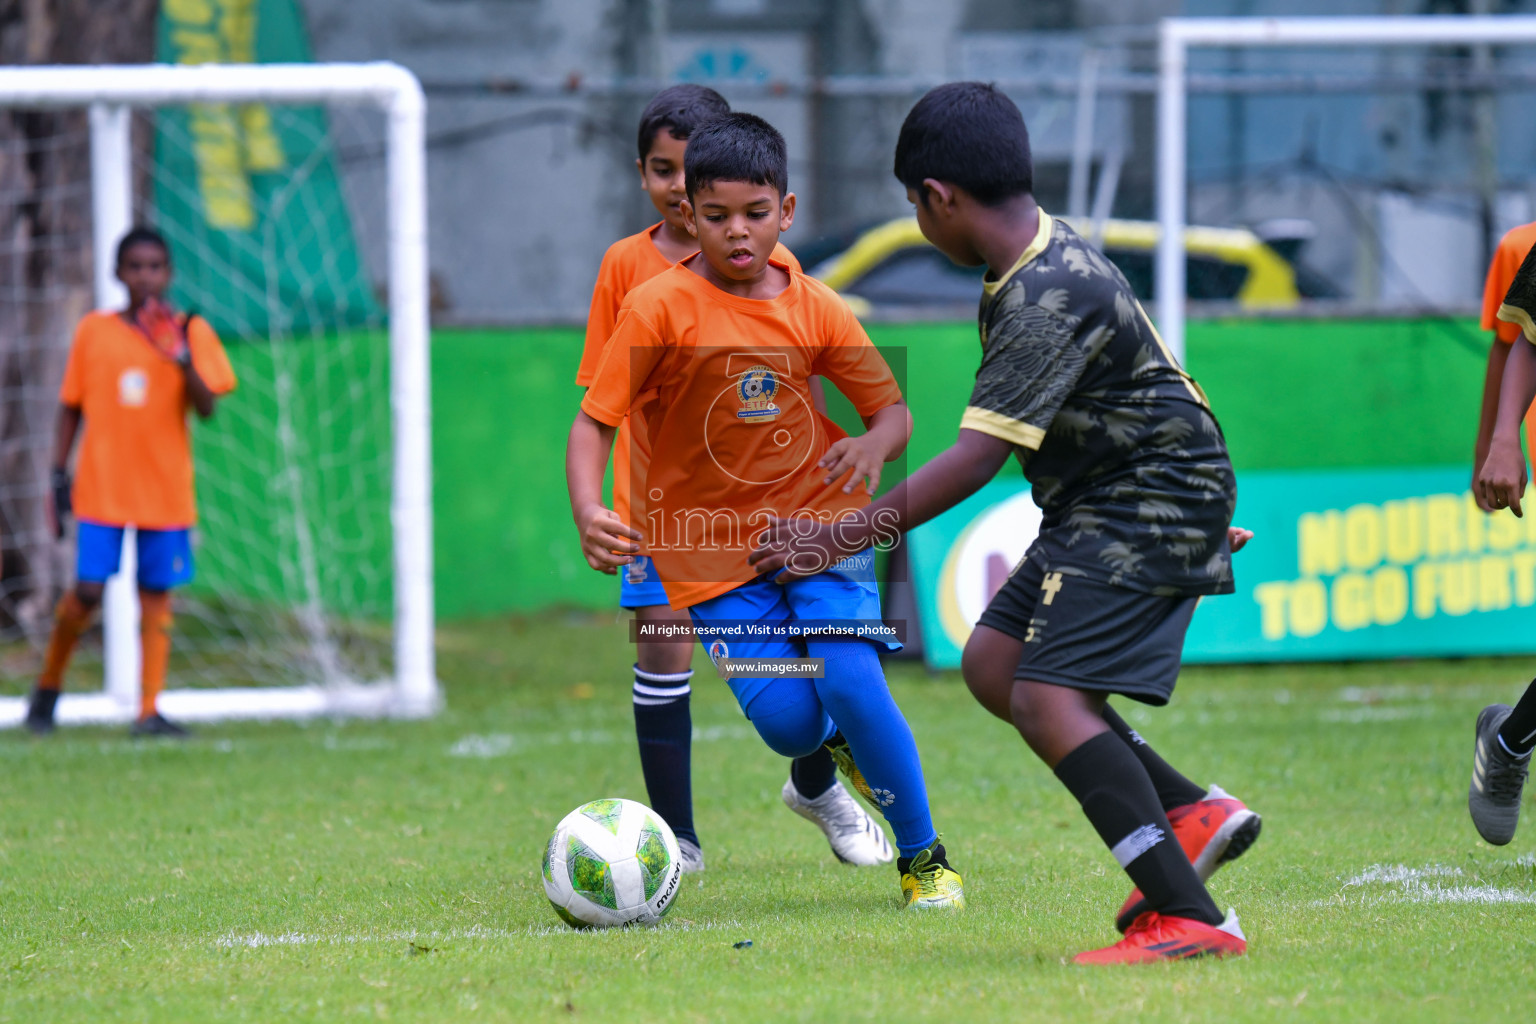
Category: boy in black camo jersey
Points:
column 1131, row 471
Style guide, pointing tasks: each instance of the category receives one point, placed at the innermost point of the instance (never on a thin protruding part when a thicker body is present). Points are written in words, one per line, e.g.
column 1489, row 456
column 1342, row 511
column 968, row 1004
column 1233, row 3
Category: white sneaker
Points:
column 690, row 857
column 856, row 837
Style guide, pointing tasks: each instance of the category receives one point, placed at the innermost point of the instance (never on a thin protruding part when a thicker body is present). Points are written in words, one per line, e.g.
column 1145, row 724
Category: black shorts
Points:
column 1087, row 635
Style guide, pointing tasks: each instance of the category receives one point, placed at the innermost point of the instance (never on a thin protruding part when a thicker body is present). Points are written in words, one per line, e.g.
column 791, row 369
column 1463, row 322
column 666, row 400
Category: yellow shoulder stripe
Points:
column 997, row 425
column 1515, row 315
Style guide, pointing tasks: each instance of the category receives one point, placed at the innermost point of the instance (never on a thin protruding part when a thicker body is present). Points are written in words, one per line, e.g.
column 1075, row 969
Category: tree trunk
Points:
column 45, row 272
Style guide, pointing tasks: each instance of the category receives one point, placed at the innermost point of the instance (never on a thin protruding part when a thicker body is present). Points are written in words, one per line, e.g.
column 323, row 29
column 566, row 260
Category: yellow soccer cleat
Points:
column 843, row 757
column 928, row 882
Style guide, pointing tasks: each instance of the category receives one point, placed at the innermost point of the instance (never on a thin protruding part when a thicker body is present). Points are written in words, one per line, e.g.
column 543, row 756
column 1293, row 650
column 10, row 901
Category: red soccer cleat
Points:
column 1211, row 831
column 1153, row 937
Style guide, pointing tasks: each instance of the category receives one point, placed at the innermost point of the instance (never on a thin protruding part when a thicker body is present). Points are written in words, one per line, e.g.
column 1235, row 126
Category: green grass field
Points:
column 390, row 870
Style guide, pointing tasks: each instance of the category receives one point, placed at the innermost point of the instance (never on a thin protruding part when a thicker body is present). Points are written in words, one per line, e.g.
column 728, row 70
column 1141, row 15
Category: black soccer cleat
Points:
column 39, row 720
column 158, row 725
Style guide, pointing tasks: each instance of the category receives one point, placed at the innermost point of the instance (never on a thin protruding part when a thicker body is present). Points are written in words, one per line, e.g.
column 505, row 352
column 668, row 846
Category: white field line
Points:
column 1378, row 694
column 502, row 744
column 478, row 933
column 1428, row 885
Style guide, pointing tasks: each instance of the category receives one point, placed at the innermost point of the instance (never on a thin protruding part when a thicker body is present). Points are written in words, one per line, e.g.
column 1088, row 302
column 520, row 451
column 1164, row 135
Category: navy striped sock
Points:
column 1518, row 733
column 664, row 729
column 1123, row 807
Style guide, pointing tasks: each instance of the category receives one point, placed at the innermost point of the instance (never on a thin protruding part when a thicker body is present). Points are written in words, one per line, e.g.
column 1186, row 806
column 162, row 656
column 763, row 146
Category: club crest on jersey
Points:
column 133, row 388
column 756, row 390
column 718, row 652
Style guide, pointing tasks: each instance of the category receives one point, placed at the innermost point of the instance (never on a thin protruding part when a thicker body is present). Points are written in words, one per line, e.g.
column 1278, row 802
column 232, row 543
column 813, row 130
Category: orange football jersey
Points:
column 1501, row 273
column 734, row 431
column 628, row 262
column 135, row 462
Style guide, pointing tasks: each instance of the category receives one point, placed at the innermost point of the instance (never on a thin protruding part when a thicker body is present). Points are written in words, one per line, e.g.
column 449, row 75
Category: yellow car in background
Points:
column 893, row 265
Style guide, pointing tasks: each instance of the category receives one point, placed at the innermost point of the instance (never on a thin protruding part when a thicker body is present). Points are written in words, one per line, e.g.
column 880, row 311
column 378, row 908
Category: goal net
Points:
column 292, row 201
column 1397, row 130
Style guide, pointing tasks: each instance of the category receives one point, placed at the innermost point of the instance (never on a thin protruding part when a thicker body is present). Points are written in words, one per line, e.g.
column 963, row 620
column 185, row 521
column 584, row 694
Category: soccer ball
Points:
column 611, row 862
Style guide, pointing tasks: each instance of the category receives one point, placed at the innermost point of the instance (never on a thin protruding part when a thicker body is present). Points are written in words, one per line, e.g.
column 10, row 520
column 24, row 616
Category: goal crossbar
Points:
column 107, row 91
column 1177, row 36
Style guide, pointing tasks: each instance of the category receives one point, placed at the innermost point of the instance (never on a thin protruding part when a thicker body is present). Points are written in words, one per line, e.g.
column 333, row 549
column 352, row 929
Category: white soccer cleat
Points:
column 689, row 857
column 855, row 836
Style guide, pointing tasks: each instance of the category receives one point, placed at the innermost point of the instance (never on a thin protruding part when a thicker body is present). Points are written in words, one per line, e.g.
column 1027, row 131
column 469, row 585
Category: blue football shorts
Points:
column 845, row 597
column 165, row 556
column 639, row 586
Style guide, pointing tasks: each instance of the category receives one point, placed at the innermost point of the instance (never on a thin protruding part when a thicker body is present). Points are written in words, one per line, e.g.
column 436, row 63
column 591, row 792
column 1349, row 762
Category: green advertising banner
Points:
column 1344, row 564
column 247, row 195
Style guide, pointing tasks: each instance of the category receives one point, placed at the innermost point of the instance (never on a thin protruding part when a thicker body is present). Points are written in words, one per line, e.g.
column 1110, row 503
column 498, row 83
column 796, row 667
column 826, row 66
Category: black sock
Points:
column 1110, row 783
column 664, row 727
column 813, row 774
column 1173, row 788
column 1518, row 733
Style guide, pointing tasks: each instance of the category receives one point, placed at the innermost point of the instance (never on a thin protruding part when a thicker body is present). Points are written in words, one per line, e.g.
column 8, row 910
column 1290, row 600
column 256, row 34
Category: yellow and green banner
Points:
column 248, row 195
column 1344, row 564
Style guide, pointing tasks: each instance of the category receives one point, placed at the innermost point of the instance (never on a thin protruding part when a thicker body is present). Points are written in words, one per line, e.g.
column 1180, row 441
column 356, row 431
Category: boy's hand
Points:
column 603, row 535
column 860, row 457
column 59, row 485
column 1501, row 480
column 1237, row 537
column 796, row 548
column 168, row 334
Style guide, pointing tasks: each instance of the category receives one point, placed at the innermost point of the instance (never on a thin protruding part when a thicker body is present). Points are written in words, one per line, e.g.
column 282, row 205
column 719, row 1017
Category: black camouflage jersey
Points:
column 1128, row 464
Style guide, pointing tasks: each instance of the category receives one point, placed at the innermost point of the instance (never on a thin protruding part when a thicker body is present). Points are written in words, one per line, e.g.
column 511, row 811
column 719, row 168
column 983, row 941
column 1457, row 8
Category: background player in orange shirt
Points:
column 131, row 377
column 1512, row 250
column 1506, row 736
column 663, row 670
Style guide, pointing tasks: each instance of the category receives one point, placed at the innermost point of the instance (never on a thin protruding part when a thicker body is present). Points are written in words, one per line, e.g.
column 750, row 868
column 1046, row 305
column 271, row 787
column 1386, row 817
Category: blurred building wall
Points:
column 528, row 189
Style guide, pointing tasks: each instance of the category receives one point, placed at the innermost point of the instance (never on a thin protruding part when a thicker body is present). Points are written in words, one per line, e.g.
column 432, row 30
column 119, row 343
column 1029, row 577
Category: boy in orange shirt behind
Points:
column 663, row 670
column 729, row 339
column 131, row 377
column 1512, row 250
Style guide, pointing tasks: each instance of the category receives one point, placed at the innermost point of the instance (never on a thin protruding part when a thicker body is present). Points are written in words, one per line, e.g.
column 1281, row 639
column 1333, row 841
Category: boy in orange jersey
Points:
column 1513, row 247
column 131, row 376
column 1506, row 736
column 729, row 340
column 662, row 671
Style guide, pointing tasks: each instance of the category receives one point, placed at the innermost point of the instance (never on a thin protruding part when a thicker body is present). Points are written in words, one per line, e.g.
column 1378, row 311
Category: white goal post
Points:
column 1177, row 36
column 109, row 92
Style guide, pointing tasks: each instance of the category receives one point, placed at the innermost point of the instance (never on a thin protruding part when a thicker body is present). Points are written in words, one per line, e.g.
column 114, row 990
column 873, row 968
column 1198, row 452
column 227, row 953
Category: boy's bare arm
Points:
column 1501, row 478
column 942, row 483
column 602, row 532
column 202, row 396
column 861, row 457
column 1493, row 380
column 66, row 427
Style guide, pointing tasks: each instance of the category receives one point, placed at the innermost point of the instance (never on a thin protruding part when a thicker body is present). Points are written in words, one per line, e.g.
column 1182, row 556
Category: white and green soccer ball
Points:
column 611, row 862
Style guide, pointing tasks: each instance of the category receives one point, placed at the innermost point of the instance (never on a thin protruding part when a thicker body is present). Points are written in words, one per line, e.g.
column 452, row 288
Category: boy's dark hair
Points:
column 736, row 147
column 679, row 109
column 967, row 134
column 141, row 234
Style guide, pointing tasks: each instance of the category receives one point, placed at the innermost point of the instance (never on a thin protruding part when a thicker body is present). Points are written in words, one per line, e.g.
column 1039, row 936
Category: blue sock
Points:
column 856, row 696
column 664, row 727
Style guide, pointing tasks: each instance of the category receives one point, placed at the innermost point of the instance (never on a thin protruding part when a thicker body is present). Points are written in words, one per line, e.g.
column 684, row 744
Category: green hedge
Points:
column 1289, row 393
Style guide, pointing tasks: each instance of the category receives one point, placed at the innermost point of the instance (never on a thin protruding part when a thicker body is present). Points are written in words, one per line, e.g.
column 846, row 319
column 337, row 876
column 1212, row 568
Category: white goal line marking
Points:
column 1403, row 884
